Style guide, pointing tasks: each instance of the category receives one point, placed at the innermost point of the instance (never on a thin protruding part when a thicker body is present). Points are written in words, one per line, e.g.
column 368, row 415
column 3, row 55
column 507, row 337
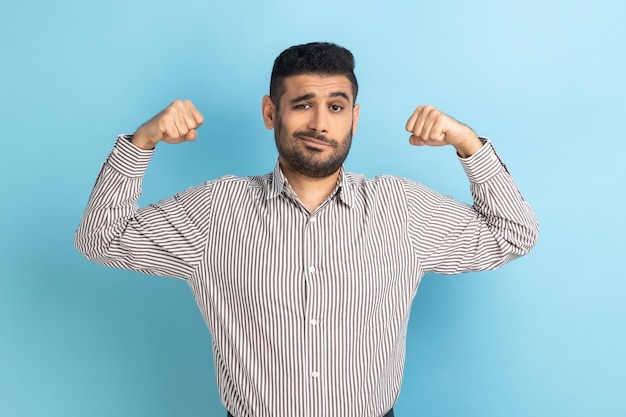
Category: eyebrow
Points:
column 309, row 96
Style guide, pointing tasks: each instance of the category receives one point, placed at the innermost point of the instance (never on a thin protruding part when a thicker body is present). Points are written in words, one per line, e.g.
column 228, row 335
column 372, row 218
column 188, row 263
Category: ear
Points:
column 268, row 109
column 355, row 117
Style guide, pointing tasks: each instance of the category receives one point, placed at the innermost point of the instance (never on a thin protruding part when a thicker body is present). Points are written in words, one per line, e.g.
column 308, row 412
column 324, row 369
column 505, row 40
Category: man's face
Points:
column 314, row 124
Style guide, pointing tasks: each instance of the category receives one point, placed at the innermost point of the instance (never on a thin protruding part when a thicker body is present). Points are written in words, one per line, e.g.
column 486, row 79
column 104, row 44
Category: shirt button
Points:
column 313, row 322
column 311, row 269
column 315, row 374
column 115, row 151
column 313, row 219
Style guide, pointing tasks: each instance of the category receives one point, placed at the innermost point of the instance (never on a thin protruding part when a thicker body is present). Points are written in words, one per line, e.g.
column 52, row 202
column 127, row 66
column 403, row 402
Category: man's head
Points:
column 311, row 108
column 319, row 58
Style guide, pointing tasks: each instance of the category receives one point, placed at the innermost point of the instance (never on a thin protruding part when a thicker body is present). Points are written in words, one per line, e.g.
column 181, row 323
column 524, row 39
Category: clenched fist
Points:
column 429, row 126
column 175, row 124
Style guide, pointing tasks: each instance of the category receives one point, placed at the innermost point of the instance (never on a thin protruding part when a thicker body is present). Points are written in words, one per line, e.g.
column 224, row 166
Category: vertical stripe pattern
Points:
column 308, row 311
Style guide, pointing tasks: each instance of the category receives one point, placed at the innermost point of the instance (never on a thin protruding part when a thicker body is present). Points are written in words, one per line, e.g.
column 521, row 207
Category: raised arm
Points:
column 452, row 237
column 165, row 238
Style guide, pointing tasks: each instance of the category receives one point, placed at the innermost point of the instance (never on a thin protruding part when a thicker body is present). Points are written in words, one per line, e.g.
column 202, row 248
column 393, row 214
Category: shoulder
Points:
column 235, row 185
column 233, row 181
column 378, row 182
column 224, row 186
column 387, row 190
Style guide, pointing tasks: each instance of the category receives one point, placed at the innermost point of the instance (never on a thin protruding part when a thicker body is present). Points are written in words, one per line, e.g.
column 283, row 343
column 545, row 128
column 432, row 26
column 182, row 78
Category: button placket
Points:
column 313, row 303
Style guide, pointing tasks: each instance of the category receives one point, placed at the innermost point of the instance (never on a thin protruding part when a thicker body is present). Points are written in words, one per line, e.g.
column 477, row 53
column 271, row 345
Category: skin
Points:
column 313, row 127
column 312, row 106
column 176, row 123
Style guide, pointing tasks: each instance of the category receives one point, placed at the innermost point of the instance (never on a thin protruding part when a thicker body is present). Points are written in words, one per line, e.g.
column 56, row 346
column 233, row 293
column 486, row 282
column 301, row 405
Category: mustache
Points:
column 314, row 135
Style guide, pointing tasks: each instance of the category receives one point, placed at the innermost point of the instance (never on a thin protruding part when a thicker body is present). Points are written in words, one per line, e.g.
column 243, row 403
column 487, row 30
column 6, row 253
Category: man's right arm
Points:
column 166, row 238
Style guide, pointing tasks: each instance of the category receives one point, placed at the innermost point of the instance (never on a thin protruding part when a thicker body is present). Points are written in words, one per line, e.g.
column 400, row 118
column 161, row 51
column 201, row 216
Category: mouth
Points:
column 315, row 143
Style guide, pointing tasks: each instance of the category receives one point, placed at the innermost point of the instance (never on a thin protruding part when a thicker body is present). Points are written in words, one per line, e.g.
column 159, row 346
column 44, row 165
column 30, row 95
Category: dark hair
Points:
column 312, row 58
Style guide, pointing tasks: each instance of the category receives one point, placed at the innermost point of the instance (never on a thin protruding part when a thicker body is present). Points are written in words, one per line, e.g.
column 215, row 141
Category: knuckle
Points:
column 171, row 110
column 176, row 106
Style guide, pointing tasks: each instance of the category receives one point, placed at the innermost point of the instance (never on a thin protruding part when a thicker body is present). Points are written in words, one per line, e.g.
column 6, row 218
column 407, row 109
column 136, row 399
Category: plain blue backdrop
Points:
column 544, row 79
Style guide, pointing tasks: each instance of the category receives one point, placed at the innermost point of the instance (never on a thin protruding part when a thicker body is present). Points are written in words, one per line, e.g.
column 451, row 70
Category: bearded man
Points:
column 305, row 276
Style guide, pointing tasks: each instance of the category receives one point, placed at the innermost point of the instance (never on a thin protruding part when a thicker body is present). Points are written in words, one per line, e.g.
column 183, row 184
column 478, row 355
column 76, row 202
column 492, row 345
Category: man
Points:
column 305, row 276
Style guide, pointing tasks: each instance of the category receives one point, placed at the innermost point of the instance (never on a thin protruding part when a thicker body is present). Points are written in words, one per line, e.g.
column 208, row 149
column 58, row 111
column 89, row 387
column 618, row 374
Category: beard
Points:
column 310, row 163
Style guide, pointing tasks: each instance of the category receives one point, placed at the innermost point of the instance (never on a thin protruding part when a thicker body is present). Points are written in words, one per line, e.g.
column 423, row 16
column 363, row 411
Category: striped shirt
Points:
column 308, row 312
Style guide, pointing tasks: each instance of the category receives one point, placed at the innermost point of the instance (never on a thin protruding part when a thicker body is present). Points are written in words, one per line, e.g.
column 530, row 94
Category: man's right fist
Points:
column 175, row 124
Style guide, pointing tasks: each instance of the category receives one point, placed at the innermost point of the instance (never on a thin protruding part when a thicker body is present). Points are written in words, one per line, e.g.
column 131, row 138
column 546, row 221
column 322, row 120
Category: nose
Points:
column 319, row 120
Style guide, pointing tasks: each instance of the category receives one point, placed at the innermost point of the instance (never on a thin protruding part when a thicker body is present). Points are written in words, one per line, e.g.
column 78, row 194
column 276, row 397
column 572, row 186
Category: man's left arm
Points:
column 454, row 237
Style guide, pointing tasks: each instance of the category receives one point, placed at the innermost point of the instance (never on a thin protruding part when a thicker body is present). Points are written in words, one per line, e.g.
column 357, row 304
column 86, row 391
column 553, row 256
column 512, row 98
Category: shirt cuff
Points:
column 484, row 164
column 127, row 159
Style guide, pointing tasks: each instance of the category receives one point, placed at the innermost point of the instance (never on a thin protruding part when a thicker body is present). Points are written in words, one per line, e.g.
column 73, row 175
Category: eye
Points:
column 303, row 106
column 335, row 108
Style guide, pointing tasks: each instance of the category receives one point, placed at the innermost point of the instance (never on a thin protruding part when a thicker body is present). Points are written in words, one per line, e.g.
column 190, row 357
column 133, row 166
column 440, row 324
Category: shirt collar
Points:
column 277, row 184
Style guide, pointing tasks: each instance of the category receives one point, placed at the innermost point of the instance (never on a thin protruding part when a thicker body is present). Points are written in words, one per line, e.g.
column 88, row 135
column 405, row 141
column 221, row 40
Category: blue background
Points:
column 544, row 79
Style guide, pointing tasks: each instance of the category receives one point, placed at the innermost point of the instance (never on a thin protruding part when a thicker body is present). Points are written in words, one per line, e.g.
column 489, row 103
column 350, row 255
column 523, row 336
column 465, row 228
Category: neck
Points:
column 310, row 191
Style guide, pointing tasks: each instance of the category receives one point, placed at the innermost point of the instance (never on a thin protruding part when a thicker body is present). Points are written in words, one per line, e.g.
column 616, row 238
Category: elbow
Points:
column 535, row 236
column 80, row 244
column 530, row 243
column 84, row 244
column 529, row 237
